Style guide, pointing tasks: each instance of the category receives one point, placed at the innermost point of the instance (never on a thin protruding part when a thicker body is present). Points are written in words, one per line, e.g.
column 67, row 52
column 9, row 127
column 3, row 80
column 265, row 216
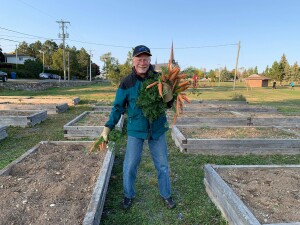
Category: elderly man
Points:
column 139, row 129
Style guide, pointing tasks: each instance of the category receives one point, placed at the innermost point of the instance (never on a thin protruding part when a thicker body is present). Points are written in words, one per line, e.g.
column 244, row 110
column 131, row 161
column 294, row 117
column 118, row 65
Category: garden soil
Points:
column 272, row 194
column 52, row 186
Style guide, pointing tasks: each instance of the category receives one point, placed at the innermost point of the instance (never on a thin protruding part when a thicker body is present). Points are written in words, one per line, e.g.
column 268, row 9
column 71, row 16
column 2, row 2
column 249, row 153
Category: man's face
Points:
column 141, row 63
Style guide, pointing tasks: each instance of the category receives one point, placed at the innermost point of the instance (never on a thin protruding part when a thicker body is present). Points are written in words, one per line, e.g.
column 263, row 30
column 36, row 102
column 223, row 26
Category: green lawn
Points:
column 193, row 204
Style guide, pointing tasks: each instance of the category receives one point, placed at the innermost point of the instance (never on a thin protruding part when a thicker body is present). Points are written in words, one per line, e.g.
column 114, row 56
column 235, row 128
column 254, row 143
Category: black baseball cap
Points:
column 141, row 49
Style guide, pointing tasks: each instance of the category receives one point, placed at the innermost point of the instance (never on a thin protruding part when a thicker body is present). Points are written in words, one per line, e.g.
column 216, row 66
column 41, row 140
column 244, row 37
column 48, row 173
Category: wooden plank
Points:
column 3, row 133
column 232, row 208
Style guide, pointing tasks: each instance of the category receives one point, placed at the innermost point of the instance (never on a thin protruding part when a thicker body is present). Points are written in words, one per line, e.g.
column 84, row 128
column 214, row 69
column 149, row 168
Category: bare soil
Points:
column 272, row 194
column 93, row 119
column 236, row 132
column 52, row 186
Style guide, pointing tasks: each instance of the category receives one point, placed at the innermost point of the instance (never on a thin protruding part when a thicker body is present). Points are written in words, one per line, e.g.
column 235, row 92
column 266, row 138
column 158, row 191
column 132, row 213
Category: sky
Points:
column 205, row 34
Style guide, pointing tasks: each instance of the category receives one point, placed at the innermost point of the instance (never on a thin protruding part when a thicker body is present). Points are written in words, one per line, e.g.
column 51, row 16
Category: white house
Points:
column 20, row 59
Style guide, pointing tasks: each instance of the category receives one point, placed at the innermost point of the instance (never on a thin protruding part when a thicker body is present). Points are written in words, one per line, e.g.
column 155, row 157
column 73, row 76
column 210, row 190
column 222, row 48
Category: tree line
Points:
column 79, row 59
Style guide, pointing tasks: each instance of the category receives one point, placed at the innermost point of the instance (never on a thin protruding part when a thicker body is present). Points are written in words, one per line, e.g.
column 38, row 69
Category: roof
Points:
column 257, row 77
column 14, row 55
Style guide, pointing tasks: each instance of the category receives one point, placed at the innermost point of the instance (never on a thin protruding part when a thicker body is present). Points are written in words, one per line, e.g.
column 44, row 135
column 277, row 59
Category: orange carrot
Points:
column 183, row 88
column 185, row 98
column 180, row 98
column 151, row 85
column 160, row 89
column 182, row 76
column 174, row 84
column 174, row 73
column 183, row 83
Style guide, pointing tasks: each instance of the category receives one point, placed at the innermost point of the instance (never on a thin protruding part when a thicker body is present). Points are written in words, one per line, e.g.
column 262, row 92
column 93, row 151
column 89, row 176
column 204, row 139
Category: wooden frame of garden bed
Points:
column 95, row 208
column 222, row 146
column 50, row 108
column 3, row 133
column 35, row 117
column 39, row 100
column 240, row 121
column 231, row 206
column 72, row 131
column 102, row 108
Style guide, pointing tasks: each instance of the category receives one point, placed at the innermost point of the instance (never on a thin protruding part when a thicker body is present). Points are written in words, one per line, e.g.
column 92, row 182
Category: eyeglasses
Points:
column 140, row 60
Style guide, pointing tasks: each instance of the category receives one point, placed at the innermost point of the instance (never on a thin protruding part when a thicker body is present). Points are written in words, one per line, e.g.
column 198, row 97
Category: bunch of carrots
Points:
column 99, row 144
column 177, row 84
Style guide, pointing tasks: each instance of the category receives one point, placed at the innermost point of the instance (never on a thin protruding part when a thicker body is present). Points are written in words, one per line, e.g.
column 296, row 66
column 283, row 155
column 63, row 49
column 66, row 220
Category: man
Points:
column 140, row 129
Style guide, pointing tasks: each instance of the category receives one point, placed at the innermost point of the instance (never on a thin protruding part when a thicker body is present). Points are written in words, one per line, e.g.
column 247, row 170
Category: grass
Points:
column 193, row 204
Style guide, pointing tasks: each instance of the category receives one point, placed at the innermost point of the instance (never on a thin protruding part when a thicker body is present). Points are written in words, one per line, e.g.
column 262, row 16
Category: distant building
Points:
column 256, row 80
column 19, row 59
column 158, row 66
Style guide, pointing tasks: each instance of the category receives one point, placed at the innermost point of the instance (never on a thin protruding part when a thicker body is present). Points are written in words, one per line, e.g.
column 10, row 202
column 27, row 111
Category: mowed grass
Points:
column 186, row 171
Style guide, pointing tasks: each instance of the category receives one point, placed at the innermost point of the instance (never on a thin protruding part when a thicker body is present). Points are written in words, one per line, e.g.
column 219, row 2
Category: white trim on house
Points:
column 11, row 58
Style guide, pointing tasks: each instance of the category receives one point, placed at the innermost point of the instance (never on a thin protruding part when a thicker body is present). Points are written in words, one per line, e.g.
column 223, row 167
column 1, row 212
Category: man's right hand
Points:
column 105, row 134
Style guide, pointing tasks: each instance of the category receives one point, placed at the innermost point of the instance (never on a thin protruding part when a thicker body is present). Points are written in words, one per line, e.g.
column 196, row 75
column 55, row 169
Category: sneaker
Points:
column 169, row 203
column 127, row 203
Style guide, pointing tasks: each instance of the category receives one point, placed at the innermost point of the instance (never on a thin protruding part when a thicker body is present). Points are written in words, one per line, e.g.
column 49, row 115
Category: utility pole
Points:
column 16, row 57
column 68, row 65
column 236, row 64
column 63, row 36
column 91, row 65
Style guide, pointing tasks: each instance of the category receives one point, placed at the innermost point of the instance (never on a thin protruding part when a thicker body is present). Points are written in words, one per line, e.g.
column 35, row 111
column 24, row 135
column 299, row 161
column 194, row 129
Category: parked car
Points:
column 3, row 76
column 45, row 75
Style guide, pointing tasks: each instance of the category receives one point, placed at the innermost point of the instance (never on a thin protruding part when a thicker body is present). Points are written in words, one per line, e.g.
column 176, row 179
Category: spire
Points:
column 172, row 60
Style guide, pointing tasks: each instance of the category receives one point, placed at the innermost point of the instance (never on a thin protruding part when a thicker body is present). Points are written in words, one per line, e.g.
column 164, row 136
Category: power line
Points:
column 27, row 34
column 122, row 46
column 37, row 9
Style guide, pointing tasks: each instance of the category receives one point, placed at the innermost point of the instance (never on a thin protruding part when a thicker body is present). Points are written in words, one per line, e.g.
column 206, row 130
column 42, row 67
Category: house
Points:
column 256, row 80
column 17, row 59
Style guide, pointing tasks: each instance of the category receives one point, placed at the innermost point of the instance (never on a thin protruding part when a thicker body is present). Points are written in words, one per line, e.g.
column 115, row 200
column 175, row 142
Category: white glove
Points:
column 105, row 134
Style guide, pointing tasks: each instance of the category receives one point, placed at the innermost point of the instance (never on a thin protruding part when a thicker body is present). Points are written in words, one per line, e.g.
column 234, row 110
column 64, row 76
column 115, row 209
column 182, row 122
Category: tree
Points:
column 111, row 68
column 57, row 60
column 225, row 75
column 275, row 72
column 34, row 67
column 49, row 47
column 284, row 69
column 295, row 72
column 2, row 57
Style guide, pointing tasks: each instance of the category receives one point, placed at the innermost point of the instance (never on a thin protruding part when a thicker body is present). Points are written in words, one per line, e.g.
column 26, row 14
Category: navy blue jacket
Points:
column 137, row 124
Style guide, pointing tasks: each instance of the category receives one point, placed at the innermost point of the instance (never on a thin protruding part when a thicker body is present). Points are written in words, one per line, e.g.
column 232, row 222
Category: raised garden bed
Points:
column 89, row 124
column 40, row 100
column 255, row 195
column 55, row 183
column 3, row 133
column 235, row 140
column 102, row 108
column 22, row 118
column 190, row 114
column 241, row 120
column 50, row 108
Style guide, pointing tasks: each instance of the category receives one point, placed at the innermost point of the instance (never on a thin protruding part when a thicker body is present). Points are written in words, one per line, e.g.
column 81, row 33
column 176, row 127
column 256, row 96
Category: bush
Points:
column 238, row 97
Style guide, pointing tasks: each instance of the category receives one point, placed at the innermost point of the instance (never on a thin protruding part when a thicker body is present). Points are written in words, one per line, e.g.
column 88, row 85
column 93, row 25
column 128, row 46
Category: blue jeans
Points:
column 159, row 154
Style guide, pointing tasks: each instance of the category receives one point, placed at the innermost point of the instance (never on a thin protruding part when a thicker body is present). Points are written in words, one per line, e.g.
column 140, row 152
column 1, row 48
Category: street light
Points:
column 43, row 59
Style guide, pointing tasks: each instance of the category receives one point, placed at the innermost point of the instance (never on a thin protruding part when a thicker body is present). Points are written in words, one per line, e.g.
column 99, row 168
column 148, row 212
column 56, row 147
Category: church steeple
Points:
column 172, row 60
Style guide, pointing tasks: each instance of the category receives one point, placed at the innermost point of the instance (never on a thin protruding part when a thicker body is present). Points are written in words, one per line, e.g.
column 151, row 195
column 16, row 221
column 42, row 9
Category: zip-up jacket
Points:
column 137, row 124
